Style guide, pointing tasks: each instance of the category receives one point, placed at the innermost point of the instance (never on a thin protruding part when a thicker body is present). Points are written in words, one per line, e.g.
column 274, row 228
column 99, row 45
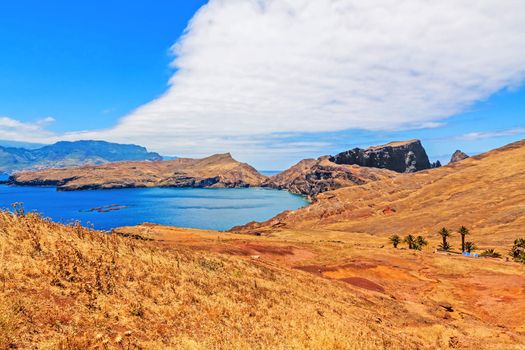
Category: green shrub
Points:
column 518, row 250
column 490, row 253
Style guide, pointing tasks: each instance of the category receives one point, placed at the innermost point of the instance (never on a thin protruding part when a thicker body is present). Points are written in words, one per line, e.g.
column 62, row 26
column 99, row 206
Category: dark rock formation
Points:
column 403, row 157
column 458, row 156
column 436, row 164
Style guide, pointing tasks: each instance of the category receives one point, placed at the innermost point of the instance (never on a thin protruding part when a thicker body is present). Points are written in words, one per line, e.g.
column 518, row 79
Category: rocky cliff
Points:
column 458, row 156
column 402, row 157
column 219, row 170
column 313, row 176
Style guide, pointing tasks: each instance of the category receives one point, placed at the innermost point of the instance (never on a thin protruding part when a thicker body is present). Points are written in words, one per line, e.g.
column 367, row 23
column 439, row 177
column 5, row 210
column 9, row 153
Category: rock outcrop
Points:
column 402, row 157
column 219, row 170
column 313, row 176
column 458, row 156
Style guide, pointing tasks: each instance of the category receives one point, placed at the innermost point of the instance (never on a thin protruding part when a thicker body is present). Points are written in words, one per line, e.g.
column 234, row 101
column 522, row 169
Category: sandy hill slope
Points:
column 219, row 170
column 485, row 193
column 429, row 300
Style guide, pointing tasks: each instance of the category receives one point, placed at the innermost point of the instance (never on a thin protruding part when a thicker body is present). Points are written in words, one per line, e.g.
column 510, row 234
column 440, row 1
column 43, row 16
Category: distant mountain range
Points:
column 70, row 154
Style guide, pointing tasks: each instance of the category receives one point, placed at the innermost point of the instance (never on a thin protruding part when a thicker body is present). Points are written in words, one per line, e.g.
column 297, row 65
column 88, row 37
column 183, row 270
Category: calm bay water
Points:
column 215, row 209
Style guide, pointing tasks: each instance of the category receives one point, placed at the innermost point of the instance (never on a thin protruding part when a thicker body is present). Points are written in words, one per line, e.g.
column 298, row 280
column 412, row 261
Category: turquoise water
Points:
column 214, row 209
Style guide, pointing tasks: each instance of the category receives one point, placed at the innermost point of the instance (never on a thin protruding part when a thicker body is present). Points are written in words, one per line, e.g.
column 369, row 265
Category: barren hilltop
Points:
column 219, row 170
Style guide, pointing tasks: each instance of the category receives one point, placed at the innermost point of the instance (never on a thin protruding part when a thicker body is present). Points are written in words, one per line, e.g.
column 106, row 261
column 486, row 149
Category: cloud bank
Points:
column 248, row 72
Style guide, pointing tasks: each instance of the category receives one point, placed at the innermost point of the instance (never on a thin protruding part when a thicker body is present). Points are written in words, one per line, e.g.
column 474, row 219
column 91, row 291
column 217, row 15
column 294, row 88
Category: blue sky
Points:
column 86, row 63
column 244, row 79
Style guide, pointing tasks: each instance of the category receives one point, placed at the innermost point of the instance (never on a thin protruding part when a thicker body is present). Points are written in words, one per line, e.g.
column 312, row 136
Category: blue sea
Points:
column 214, row 209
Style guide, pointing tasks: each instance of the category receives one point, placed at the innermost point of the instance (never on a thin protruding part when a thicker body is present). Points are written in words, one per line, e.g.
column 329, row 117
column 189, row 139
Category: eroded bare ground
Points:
column 446, row 300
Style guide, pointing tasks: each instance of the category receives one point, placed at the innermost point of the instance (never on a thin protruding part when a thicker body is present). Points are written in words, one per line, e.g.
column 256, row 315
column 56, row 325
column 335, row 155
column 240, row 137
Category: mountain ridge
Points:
column 219, row 170
column 64, row 154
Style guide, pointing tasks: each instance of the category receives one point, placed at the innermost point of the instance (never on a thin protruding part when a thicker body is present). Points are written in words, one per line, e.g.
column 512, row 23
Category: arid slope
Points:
column 219, row 170
column 73, row 288
column 442, row 300
column 485, row 193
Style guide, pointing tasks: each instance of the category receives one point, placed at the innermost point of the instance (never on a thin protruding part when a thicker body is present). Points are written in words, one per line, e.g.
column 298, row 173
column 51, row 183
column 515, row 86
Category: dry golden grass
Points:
column 485, row 295
column 73, row 288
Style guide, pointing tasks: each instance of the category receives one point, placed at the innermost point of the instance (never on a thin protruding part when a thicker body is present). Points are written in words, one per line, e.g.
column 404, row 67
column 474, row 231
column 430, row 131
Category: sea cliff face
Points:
column 314, row 176
column 402, row 157
column 351, row 168
column 219, row 170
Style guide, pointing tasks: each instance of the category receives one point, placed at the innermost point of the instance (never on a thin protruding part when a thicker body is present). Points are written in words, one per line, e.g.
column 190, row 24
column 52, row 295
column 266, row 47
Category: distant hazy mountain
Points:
column 66, row 154
column 21, row 144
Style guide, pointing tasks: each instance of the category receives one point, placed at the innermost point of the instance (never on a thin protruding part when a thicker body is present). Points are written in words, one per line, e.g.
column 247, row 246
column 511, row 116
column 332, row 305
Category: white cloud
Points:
column 12, row 129
column 473, row 136
column 247, row 69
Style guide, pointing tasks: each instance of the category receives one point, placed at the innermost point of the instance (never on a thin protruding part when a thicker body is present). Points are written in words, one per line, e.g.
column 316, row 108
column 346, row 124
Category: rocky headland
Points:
column 219, row 170
column 313, row 176
column 355, row 167
column 400, row 156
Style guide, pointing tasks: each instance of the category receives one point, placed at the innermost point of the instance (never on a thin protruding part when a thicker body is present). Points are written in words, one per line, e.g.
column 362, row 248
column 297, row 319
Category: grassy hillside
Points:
column 73, row 288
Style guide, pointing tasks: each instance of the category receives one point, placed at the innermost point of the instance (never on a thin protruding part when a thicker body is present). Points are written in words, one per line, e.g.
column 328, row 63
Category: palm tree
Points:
column 395, row 240
column 463, row 231
column 420, row 242
column 469, row 247
column 444, row 235
column 518, row 250
column 411, row 241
